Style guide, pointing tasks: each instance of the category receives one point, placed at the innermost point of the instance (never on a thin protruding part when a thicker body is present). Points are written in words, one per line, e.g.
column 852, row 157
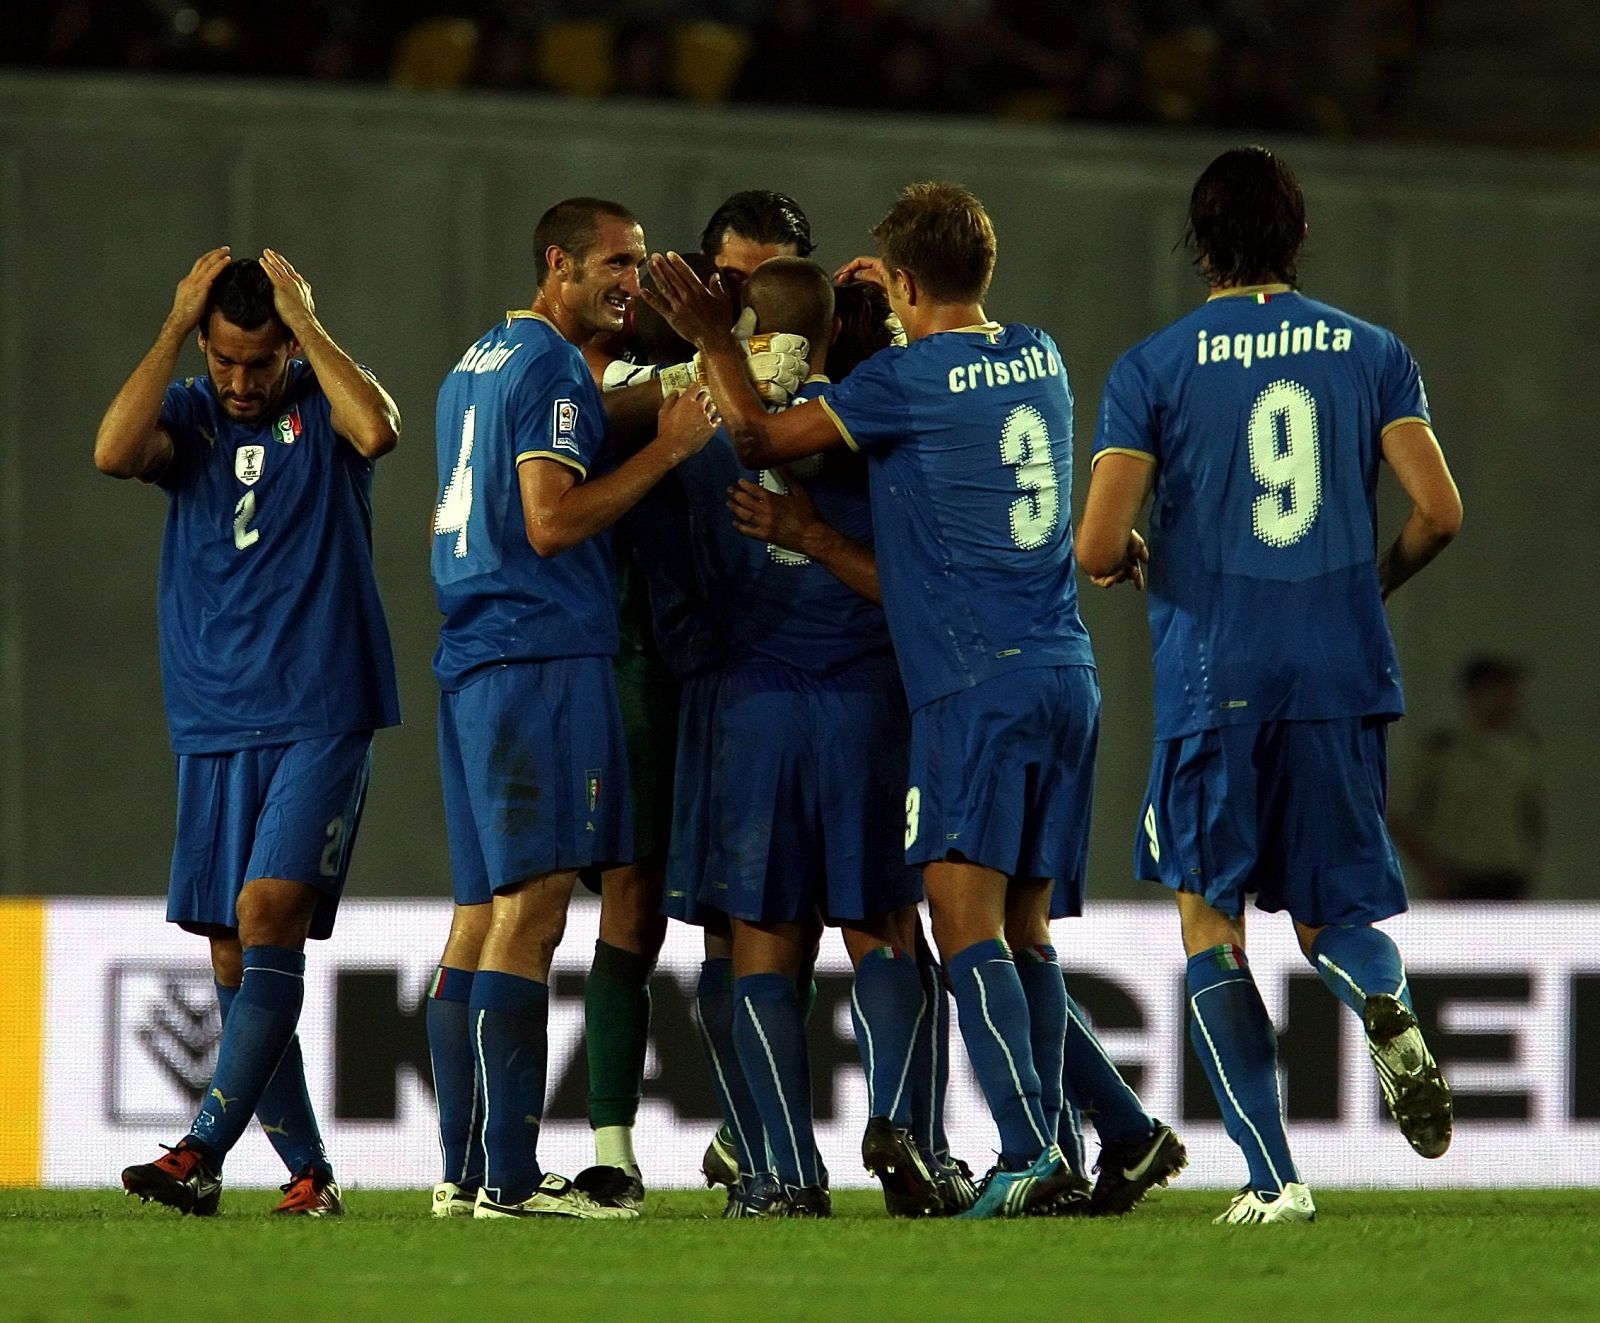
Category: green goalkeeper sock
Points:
column 616, row 1016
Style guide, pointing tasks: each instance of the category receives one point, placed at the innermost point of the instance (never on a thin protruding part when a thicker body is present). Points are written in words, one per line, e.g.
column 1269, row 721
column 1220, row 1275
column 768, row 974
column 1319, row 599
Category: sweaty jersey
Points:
column 520, row 393
column 271, row 627
column 1264, row 412
column 769, row 601
column 968, row 438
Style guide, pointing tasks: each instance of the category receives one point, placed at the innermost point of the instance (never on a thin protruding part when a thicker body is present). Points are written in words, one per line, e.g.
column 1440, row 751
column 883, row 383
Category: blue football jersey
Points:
column 520, row 393
column 271, row 626
column 772, row 602
column 968, row 438
column 1264, row 412
column 656, row 536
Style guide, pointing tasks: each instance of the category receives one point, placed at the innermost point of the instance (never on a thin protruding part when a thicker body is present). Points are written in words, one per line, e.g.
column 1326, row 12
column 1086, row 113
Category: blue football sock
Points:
column 930, row 1057
column 1237, row 1045
column 1069, row 1139
column 451, row 1054
column 1040, row 973
column 1093, row 1084
column 510, row 1018
column 1357, row 961
column 257, row 1027
column 888, row 1007
column 287, row 1117
column 770, row 1033
column 713, row 1001
column 994, row 1026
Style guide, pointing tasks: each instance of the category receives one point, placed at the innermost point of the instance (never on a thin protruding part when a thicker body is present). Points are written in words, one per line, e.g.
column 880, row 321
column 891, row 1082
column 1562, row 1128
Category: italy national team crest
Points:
column 288, row 427
column 592, row 776
column 248, row 463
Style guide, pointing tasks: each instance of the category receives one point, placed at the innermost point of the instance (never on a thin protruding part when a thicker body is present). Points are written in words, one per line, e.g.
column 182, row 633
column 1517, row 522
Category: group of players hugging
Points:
column 847, row 675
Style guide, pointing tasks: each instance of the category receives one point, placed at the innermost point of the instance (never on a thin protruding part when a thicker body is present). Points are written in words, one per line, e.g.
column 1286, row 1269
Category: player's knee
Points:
column 275, row 913
column 227, row 961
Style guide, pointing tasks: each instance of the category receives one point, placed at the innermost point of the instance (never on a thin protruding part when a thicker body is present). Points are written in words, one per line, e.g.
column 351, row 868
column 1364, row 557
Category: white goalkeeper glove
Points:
column 775, row 363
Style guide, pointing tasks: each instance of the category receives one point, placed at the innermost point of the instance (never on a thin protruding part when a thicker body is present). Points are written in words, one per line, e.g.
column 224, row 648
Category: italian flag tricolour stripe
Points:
column 21, row 1039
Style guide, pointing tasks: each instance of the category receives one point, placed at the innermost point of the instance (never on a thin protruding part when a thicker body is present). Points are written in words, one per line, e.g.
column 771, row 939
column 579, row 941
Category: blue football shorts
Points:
column 1290, row 811
column 689, row 840
column 286, row 811
column 1002, row 775
column 809, row 777
column 535, row 772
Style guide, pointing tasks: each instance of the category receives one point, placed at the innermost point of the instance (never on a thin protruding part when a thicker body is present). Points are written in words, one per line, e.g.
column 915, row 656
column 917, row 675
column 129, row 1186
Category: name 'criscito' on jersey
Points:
column 1029, row 365
column 1245, row 347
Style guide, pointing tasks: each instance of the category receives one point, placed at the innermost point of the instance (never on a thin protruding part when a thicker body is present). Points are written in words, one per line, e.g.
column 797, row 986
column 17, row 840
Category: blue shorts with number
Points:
column 535, row 773
column 806, row 795
column 1002, row 775
column 689, row 842
column 1292, row 811
column 286, row 811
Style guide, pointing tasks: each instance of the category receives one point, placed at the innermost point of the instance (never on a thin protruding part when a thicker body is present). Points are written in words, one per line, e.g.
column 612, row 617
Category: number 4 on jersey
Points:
column 455, row 507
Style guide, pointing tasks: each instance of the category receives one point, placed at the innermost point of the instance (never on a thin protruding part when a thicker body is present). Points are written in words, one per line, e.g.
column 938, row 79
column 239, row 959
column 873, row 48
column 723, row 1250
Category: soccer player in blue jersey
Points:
column 529, row 730
column 276, row 667
column 808, row 777
column 967, row 433
column 1258, row 422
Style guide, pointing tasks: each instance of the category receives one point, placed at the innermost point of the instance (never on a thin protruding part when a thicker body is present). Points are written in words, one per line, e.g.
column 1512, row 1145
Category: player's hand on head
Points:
column 779, row 518
column 686, row 422
column 775, row 361
column 777, row 365
column 189, row 301
column 699, row 314
column 869, row 270
column 291, row 294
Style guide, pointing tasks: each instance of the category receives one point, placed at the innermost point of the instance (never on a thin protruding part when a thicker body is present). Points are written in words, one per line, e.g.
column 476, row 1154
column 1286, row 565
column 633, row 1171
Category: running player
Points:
column 967, row 433
column 530, row 733
column 276, row 667
column 1258, row 421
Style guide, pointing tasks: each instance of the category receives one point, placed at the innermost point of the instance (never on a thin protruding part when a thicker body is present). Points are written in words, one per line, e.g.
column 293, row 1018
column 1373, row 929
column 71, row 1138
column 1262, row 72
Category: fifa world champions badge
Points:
column 248, row 463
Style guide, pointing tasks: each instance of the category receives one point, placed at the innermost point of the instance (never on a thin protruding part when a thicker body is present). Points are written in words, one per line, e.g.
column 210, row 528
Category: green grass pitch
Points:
column 1457, row 1257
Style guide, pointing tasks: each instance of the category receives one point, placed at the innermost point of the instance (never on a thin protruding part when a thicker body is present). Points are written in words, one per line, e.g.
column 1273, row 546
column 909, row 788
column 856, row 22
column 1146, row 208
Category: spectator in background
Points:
column 1472, row 817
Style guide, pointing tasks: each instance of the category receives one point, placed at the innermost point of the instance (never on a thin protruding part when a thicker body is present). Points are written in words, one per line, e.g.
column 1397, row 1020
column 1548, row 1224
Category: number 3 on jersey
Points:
column 1025, row 447
column 1286, row 458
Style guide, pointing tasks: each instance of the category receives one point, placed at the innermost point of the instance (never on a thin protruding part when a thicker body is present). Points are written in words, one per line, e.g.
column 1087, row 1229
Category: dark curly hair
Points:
column 243, row 295
column 1247, row 220
column 862, row 310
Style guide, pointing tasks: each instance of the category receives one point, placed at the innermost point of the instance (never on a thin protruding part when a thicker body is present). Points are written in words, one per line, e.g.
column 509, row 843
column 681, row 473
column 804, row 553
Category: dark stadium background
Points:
column 1448, row 153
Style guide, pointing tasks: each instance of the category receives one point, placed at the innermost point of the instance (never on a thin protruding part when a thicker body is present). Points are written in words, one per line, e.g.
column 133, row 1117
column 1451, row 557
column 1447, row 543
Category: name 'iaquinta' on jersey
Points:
column 1029, row 365
column 1245, row 347
column 482, row 358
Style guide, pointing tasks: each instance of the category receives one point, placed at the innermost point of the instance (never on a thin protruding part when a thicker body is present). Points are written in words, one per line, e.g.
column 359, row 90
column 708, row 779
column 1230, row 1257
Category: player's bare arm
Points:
column 1413, row 452
column 1109, row 548
column 790, row 520
column 361, row 411
column 559, row 510
column 129, row 443
column 701, row 316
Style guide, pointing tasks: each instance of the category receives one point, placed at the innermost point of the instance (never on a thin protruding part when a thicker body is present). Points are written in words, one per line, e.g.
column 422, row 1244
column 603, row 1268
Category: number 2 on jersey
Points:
column 1286, row 458
column 245, row 537
column 1025, row 447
